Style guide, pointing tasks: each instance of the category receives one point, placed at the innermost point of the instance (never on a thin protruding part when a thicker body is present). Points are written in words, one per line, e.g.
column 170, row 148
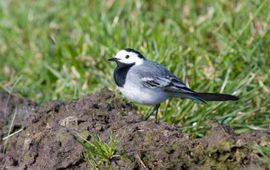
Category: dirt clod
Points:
column 48, row 139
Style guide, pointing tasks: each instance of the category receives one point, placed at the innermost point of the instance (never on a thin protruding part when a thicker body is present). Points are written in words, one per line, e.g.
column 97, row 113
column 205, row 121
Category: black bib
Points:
column 120, row 73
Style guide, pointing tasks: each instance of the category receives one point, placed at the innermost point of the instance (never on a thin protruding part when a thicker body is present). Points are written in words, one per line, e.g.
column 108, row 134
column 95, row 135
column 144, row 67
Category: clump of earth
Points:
column 46, row 137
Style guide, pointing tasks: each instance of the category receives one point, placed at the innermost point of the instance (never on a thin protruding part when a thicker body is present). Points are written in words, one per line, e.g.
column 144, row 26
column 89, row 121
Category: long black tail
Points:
column 216, row 97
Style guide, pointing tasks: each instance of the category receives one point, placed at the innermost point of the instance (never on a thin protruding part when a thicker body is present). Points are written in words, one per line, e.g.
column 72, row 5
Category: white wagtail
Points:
column 149, row 83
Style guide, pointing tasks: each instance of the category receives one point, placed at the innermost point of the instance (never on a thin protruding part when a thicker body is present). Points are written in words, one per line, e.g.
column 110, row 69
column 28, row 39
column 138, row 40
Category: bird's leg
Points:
column 150, row 114
column 154, row 111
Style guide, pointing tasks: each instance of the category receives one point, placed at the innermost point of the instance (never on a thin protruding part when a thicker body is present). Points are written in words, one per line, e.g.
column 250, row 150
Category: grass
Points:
column 264, row 152
column 96, row 152
column 59, row 49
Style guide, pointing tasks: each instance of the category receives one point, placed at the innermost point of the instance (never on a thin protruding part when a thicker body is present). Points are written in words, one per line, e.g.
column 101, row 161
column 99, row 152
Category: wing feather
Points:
column 168, row 84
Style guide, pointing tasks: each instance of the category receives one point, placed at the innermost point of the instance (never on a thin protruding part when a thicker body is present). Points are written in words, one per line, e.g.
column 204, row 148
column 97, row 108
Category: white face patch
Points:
column 126, row 57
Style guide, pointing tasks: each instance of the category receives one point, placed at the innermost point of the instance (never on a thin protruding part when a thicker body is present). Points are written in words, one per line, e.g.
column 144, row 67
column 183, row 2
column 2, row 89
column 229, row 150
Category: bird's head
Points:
column 128, row 56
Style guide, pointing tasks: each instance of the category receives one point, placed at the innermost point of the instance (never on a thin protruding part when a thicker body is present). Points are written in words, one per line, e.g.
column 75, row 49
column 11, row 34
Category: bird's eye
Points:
column 127, row 56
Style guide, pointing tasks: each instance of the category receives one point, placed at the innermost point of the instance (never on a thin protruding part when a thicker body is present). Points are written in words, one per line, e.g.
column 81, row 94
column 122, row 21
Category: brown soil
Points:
column 48, row 141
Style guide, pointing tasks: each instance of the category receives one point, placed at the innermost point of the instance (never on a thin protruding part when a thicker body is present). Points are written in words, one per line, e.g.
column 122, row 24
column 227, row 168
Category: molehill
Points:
column 48, row 138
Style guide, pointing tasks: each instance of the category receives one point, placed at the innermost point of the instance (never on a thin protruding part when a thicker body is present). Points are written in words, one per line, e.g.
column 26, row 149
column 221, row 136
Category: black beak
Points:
column 113, row 59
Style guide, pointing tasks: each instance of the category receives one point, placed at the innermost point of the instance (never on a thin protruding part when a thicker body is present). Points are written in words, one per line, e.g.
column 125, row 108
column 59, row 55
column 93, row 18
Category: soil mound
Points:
column 47, row 138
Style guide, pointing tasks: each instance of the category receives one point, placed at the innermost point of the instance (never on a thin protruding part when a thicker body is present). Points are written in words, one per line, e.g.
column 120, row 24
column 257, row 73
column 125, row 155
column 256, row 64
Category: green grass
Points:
column 59, row 49
column 96, row 152
column 264, row 152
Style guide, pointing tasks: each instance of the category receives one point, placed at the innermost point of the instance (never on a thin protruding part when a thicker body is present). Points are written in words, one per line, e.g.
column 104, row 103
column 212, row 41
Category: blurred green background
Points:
column 53, row 49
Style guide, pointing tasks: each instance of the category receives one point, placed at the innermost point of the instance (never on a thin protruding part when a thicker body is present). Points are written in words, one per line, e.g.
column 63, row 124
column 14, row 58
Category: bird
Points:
column 149, row 83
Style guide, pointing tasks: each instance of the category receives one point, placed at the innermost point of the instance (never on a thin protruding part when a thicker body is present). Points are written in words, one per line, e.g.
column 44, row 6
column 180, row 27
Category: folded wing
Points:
column 167, row 84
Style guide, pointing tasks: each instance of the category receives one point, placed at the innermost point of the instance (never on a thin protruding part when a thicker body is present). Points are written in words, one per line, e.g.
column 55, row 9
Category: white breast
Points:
column 143, row 95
